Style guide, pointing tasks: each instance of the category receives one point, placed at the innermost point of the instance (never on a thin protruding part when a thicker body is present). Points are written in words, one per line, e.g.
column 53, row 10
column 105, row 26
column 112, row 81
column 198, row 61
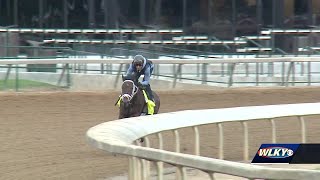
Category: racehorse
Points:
column 132, row 100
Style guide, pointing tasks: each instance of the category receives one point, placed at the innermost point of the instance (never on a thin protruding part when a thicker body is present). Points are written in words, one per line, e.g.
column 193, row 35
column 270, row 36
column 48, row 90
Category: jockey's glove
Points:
column 141, row 86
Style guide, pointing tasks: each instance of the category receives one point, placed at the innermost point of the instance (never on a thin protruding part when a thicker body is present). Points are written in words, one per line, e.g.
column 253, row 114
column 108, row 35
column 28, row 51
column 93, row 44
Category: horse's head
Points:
column 129, row 88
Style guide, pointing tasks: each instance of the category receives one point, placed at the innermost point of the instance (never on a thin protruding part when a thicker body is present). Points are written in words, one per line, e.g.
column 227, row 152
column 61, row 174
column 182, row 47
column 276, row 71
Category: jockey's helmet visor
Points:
column 138, row 63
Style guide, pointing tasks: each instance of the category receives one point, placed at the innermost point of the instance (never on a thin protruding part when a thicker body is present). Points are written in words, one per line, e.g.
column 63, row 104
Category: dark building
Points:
column 221, row 19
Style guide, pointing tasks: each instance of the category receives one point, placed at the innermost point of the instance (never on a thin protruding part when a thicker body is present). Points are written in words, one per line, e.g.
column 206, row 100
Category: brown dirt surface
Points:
column 42, row 134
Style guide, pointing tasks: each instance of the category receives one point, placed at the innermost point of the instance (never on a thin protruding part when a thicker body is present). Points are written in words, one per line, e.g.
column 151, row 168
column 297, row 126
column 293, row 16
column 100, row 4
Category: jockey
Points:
column 140, row 65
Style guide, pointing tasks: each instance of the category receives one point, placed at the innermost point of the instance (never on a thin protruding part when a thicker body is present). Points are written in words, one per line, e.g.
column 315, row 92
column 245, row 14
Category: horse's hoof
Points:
column 141, row 140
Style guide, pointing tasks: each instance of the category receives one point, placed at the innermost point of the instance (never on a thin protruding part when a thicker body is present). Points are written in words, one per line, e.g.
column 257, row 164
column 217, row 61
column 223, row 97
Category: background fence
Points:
column 104, row 73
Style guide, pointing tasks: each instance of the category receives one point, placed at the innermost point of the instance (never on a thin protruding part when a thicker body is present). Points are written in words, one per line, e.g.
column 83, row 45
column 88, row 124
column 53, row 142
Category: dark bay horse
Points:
column 132, row 101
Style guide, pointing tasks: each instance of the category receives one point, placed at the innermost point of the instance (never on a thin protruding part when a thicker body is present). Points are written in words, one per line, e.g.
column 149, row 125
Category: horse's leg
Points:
column 121, row 113
column 157, row 102
column 141, row 140
column 135, row 114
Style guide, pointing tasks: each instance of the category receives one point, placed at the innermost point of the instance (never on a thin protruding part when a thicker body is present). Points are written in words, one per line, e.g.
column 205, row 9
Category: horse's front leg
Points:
column 135, row 115
column 121, row 116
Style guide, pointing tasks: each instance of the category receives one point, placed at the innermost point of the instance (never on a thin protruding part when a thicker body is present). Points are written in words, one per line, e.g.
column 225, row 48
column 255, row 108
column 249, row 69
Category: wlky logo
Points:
column 275, row 152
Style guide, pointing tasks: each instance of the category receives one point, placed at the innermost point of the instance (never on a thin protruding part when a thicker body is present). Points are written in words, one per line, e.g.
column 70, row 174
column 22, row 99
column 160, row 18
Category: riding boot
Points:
column 149, row 92
column 150, row 102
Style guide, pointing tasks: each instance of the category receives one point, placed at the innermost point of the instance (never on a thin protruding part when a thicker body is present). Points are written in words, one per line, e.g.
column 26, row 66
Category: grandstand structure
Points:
column 263, row 44
column 244, row 27
column 242, row 30
column 233, row 36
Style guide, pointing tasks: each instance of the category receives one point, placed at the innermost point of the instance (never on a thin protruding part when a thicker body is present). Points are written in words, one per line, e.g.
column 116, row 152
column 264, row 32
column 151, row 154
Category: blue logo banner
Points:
column 275, row 153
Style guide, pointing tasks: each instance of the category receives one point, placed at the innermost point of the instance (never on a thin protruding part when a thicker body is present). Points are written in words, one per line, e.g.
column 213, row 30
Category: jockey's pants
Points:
column 149, row 92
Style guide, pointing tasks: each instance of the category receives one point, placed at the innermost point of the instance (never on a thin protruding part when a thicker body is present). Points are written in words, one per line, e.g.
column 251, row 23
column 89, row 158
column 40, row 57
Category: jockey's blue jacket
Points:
column 146, row 70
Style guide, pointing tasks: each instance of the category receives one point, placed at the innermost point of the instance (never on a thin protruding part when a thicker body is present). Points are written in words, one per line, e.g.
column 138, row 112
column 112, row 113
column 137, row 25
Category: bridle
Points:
column 134, row 91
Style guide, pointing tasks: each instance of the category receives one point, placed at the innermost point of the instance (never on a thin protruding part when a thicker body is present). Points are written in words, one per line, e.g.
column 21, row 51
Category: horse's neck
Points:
column 137, row 97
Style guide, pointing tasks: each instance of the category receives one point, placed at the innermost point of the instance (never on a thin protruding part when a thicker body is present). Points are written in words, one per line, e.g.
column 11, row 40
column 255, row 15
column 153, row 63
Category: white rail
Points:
column 95, row 60
column 232, row 71
column 91, row 31
column 118, row 137
column 290, row 31
column 176, row 42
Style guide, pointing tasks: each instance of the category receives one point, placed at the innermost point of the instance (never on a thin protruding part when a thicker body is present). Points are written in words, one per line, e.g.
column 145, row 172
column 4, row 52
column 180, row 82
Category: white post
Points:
column 146, row 164
column 137, row 169
column 245, row 142
column 303, row 129
column 131, row 168
column 196, row 141
column 177, row 137
column 211, row 176
column 181, row 173
column 220, row 130
column 274, row 131
column 159, row 163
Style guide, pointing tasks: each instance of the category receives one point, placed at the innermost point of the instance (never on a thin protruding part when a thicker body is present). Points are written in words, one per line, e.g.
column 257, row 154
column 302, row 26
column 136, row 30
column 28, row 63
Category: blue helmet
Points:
column 138, row 60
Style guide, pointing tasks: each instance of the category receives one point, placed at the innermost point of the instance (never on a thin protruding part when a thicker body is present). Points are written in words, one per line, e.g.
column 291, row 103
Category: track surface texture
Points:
column 43, row 133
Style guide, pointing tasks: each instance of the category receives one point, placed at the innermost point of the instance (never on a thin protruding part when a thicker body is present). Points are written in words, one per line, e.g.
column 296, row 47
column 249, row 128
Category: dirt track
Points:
column 43, row 134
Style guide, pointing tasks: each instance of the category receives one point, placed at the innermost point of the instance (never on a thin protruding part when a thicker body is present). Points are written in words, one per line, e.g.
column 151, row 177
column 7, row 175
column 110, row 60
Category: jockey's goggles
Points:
column 138, row 64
